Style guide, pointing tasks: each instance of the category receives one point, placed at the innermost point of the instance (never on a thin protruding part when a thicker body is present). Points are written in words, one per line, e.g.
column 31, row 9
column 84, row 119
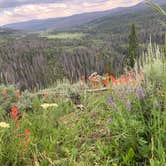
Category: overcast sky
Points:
column 24, row 10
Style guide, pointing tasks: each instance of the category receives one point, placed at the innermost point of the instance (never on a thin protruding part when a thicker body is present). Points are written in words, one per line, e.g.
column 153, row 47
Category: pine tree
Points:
column 132, row 48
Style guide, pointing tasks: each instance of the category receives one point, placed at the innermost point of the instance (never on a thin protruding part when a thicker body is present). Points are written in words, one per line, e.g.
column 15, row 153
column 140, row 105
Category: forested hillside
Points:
column 39, row 59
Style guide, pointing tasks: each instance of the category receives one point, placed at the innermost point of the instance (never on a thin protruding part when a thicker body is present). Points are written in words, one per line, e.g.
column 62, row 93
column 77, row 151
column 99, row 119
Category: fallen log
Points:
column 65, row 95
column 98, row 90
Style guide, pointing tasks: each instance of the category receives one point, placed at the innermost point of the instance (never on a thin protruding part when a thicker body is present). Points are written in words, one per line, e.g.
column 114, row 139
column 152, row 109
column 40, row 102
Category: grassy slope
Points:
column 101, row 134
column 66, row 36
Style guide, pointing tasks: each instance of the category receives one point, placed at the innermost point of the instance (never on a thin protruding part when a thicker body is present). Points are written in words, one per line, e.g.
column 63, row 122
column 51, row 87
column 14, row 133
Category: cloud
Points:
column 24, row 10
column 16, row 3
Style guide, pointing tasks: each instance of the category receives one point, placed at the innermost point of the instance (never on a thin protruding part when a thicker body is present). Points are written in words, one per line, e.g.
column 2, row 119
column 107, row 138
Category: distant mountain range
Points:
column 67, row 23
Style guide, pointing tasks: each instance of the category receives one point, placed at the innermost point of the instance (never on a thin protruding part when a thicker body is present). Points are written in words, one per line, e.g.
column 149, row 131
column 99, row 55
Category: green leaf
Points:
column 129, row 156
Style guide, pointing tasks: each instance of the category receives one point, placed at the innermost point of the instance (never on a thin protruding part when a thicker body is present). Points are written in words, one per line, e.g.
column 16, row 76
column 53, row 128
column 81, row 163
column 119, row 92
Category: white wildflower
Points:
column 47, row 105
column 4, row 125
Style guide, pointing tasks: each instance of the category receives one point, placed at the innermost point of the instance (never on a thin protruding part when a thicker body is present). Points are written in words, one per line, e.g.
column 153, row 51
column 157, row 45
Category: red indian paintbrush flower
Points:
column 122, row 79
column 127, row 79
column 14, row 114
column 27, row 132
column 113, row 79
column 45, row 95
column 91, row 79
column 105, row 82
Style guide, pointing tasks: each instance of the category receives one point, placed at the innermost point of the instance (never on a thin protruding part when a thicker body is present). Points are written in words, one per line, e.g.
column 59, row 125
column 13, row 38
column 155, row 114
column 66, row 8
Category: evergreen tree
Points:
column 132, row 48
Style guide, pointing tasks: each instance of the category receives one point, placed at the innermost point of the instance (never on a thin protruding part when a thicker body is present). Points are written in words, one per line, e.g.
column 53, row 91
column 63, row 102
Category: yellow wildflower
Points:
column 47, row 105
column 115, row 164
column 4, row 125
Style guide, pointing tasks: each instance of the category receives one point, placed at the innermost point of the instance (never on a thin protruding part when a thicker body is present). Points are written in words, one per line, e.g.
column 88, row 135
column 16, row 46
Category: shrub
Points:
column 25, row 101
column 8, row 97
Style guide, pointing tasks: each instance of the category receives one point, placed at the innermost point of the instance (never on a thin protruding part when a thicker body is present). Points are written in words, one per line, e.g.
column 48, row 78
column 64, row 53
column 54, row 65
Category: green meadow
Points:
column 66, row 36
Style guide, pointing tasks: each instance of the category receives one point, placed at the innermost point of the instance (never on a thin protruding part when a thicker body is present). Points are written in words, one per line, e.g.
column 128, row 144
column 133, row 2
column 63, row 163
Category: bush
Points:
column 25, row 101
column 8, row 97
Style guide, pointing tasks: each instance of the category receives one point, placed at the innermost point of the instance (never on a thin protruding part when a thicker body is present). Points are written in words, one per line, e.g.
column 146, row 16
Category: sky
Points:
column 23, row 10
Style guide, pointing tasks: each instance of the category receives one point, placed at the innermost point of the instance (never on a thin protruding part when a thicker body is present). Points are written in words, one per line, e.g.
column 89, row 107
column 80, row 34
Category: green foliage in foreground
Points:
column 124, row 126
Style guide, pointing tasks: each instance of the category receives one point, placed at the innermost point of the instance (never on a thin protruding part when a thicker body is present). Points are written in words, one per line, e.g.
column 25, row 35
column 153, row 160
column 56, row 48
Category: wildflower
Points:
column 91, row 78
column 113, row 79
column 98, row 78
column 26, row 139
column 111, row 102
column 105, row 82
column 19, row 93
column 122, row 79
column 4, row 92
column 115, row 164
column 127, row 79
column 140, row 93
column 14, row 114
column 123, row 96
column 4, row 125
column 80, row 106
column 45, row 95
column 25, row 144
column 27, row 132
column 47, row 105
column 128, row 105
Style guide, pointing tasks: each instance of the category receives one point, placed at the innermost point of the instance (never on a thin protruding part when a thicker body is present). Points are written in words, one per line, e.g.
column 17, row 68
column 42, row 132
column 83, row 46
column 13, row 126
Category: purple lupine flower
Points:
column 111, row 102
column 127, row 102
column 140, row 93
column 129, row 90
column 128, row 105
column 123, row 97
